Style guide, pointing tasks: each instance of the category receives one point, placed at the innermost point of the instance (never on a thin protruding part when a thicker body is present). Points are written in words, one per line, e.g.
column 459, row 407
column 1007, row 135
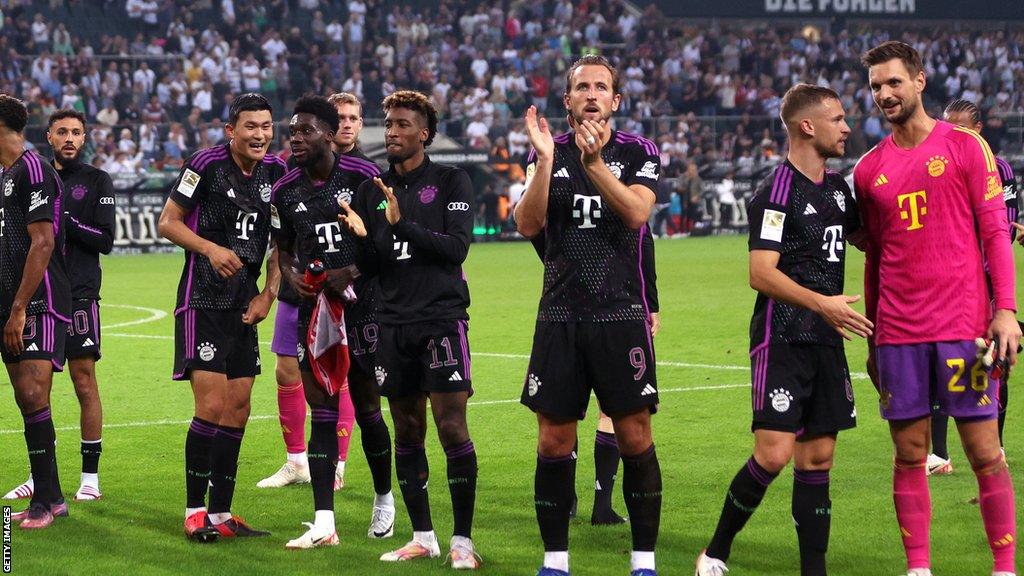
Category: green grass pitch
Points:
column 702, row 434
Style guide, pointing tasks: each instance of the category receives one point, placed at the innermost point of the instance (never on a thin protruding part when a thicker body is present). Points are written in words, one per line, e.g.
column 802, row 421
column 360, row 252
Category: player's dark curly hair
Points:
column 961, row 105
column 65, row 113
column 417, row 102
column 248, row 102
column 321, row 108
column 13, row 113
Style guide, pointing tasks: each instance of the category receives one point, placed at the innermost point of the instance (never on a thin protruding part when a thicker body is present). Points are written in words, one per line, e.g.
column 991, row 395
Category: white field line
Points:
column 165, row 422
column 665, row 363
column 159, row 314
column 154, row 315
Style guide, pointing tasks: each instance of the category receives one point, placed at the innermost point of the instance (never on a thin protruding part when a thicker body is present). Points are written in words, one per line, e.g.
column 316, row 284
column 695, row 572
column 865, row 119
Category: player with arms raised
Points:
column 590, row 193
column 932, row 208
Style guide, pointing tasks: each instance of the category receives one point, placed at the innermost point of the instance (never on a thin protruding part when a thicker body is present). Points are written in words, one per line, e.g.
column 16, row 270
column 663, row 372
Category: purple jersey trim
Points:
column 464, row 344
column 193, row 225
column 288, row 178
column 627, row 137
column 1012, row 213
column 96, row 320
column 275, row 159
column 643, row 286
column 366, row 163
column 781, row 185
column 35, row 168
column 1005, row 170
column 49, row 298
column 86, row 227
column 58, row 213
column 204, row 158
column 346, row 163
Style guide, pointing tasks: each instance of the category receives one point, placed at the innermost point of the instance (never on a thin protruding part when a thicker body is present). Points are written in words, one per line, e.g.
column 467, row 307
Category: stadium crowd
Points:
column 159, row 85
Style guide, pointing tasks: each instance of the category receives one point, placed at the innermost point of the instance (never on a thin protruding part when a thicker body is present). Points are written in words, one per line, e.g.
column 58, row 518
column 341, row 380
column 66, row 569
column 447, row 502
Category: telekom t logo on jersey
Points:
column 328, row 234
column 244, row 223
column 916, row 208
column 833, row 242
column 586, row 209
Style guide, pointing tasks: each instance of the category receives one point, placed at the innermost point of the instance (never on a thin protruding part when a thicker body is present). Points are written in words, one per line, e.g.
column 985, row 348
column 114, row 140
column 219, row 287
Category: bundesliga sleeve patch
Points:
column 37, row 200
column 771, row 226
column 188, row 184
column 649, row 171
column 531, row 169
column 994, row 188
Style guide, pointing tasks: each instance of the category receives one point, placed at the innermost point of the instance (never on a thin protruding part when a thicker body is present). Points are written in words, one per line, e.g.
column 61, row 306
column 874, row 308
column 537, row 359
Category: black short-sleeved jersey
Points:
column 231, row 210
column 418, row 262
column 647, row 267
column 305, row 217
column 286, row 293
column 592, row 260
column 89, row 226
column 807, row 223
column 1010, row 195
column 30, row 192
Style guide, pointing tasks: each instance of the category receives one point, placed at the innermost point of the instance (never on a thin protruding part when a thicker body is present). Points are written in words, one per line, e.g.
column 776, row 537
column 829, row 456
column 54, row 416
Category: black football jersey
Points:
column 89, row 225
column 592, row 260
column 305, row 216
column 286, row 293
column 30, row 192
column 807, row 223
column 232, row 210
column 418, row 262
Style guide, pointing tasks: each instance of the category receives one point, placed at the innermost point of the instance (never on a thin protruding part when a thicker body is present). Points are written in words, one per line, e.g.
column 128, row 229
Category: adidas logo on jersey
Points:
column 881, row 180
column 88, row 342
column 455, row 377
column 301, row 208
column 383, row 205
column 563, row 172
column 809, row 210
column 648, row 390
column 32, row 348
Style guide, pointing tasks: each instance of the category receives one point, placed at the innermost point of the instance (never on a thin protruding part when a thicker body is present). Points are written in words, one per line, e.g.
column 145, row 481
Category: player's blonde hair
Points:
column 339, row 98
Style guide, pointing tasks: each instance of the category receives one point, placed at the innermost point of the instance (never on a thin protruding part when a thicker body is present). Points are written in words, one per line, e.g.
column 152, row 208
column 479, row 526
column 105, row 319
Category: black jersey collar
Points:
column 413, row 176
column 805, row 178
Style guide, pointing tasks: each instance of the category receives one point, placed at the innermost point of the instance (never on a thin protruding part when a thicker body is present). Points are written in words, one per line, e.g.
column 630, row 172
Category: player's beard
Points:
column 70, row 163
column 909, row 109
column 826, row 151
column 578, row 118
column 399, row 158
